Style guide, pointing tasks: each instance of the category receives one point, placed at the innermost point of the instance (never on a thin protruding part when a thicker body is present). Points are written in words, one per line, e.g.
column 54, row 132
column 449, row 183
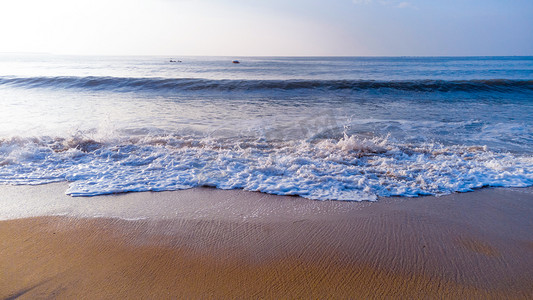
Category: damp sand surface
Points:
column 209, row 243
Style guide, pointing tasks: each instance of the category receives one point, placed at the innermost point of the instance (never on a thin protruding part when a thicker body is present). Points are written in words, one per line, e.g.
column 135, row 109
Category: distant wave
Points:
column 124, row 84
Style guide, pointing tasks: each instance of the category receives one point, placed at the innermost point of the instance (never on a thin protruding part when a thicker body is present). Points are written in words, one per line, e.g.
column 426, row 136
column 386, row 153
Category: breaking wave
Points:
column 123, row 84
column 351, row 168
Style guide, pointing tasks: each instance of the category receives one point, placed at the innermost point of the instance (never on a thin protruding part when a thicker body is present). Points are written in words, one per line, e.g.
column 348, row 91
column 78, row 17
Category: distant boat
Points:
column 171, row 60
column 236, row 62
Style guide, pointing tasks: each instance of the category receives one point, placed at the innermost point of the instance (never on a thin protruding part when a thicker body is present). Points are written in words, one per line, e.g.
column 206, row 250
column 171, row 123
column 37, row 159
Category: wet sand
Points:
column 207, row 243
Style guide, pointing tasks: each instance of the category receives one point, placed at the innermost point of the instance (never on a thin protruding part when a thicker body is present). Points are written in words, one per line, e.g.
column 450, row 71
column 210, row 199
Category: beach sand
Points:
column 208, row 243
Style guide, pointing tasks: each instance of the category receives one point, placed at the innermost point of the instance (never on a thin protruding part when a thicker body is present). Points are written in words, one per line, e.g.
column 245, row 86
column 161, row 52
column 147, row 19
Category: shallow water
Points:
column 321, row 128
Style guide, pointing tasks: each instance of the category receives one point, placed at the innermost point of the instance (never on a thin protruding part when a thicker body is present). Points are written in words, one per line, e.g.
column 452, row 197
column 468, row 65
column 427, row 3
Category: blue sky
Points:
column 273, row 27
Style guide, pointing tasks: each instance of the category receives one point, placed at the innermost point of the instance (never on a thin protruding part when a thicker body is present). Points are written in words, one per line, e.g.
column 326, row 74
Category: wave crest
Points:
column 124, row 84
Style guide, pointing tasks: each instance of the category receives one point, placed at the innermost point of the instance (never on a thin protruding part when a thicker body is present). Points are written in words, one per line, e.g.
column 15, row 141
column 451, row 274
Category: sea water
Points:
column 325, row 128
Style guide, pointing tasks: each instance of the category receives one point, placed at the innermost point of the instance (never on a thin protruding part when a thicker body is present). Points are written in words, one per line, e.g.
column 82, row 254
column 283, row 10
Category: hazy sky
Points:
column 268, row 27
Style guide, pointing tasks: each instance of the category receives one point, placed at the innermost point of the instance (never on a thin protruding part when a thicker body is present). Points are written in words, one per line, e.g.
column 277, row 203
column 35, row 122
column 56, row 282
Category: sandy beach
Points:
column 208, row 243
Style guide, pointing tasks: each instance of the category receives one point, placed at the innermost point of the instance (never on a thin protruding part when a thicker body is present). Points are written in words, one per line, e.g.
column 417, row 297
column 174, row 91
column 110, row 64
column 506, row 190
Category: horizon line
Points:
column 225, row 55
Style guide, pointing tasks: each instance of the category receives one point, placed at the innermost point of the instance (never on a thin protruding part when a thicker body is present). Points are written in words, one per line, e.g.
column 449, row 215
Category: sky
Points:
column 268, row 27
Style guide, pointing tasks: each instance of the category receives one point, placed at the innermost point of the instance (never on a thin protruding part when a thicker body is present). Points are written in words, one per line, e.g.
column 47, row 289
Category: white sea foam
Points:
column 351, row 168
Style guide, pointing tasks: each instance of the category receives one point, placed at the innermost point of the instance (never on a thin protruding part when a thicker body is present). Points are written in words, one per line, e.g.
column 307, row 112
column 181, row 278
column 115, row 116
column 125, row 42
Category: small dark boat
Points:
column 236, row 62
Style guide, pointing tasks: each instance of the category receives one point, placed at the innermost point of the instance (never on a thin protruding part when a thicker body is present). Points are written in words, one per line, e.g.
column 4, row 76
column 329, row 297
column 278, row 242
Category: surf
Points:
column 131, row 84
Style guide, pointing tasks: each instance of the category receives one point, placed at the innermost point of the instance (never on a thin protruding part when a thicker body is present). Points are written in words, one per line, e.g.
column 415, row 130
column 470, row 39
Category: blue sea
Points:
column 324, row 128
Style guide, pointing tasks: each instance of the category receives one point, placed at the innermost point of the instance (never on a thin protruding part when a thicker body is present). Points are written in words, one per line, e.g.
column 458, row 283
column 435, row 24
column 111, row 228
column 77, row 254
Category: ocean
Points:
column 324, row 128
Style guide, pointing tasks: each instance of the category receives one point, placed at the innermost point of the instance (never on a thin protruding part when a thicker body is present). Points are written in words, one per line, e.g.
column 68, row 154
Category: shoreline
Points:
column 208, row 243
